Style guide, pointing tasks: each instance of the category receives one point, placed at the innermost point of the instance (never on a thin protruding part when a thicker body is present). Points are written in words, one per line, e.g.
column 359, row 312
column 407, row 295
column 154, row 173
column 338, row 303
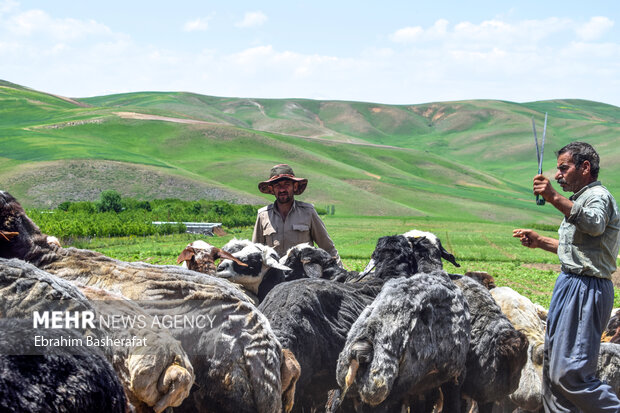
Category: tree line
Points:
column 114, row 216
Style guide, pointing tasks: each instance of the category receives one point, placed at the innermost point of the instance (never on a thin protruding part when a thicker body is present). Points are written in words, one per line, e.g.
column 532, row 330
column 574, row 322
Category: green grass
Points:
column 460, row 169
column 475, row 157
column 477, row 247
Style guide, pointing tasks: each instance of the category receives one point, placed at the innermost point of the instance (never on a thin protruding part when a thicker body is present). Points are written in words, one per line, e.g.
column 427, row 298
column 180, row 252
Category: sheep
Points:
column 523, row 315
column 311, row 318
column 398, row 348
column 483, row 278
column 608, row 368
column 54, row 379
column 260, row 270
column 307, row 261
column 158, row 374
column 200, row 256
column 497, row 352
column 612, row 331
column 240, row 343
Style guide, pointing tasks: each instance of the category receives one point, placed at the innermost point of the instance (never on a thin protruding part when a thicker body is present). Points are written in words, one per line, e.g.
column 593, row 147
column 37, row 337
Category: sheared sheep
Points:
column 312, row 317
column 54, row 379
column 523, row 315
column 157, row 374
column 240, row 336
column 413, row 337
column 608, row 368
column 259, row 271
column 497, row 352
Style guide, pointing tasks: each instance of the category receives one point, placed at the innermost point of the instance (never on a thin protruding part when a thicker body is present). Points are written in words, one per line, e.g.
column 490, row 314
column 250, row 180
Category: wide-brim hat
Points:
column 279, row 173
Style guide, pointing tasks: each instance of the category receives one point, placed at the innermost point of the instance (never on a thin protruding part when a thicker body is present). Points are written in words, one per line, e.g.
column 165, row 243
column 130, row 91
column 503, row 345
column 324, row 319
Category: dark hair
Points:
column 580, row 152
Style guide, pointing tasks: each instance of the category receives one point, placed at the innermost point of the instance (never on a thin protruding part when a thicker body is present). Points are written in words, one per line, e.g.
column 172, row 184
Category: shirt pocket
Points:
column 301, row 234
column 268, row 233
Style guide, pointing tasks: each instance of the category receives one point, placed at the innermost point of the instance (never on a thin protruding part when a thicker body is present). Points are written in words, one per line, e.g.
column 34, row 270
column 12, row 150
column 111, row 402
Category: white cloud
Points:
column 199, row 24
column 252, row 19
column 8, row 6
column 38, row 22
column 594, row 28
column 407, row 34
column 499, row 58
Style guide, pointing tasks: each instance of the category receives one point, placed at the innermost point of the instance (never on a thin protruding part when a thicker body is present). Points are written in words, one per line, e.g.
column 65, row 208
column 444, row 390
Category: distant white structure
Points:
column 205, row 228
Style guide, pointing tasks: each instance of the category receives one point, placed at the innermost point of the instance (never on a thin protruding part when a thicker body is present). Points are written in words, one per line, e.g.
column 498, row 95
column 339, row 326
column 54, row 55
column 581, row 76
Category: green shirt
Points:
column 590, row 235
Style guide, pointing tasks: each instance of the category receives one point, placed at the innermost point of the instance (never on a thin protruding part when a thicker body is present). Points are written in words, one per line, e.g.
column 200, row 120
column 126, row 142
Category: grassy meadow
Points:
column 477, row 247
column 462, row 170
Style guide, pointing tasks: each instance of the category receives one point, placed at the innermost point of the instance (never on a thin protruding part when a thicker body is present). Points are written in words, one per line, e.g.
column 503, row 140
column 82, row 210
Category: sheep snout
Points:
column 175, row 384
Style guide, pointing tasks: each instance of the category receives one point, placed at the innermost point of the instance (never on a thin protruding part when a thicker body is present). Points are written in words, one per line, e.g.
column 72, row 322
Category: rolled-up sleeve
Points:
column 590, row 216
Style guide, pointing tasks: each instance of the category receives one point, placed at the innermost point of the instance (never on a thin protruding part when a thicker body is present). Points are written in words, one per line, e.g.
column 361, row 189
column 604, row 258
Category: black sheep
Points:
column 497, row 352
column 311, row 317
column 411, row 339
column 313, row 262
column 54, row 379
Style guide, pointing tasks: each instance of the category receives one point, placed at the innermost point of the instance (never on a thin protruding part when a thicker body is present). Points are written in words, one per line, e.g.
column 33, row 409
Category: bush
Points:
column 110, row 202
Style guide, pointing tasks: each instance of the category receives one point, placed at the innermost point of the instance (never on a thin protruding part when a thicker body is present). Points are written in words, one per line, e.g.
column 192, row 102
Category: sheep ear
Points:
column 371, row 266
column 271, row 262
column 219, row 253
column 447, row 256
column 313, row 270
column 186, row 255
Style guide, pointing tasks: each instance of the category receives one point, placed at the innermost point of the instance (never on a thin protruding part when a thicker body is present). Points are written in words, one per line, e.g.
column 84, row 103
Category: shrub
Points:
column 110, row 201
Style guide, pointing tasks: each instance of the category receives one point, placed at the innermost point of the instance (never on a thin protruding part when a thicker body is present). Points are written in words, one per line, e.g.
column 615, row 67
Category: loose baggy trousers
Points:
column 579, row 311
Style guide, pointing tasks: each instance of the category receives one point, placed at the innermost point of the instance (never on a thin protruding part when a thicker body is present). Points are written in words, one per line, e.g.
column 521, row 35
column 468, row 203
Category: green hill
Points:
column 469, row 160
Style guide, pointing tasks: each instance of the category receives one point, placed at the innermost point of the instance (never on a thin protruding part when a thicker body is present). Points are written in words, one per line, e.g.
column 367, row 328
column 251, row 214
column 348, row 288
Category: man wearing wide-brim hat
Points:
column 288, row 222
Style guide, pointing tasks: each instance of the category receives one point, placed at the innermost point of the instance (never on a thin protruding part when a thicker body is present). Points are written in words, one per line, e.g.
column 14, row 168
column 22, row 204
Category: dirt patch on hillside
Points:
column 372, row 175
column 615, row 277
column 50, row 183
column 144, row 116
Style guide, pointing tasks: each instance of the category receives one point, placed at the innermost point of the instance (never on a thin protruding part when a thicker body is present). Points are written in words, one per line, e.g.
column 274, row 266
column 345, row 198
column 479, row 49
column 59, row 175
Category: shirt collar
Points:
column 582, row 190
column 275, row 206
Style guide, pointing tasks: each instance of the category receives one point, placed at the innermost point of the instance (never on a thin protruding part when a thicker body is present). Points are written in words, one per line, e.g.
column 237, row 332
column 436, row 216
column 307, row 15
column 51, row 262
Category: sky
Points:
column 392, row 52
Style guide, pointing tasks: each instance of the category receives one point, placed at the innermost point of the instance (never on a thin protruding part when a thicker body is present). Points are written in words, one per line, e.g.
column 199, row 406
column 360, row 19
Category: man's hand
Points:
column 532, row 239
column 528, row 238
column 542, row 187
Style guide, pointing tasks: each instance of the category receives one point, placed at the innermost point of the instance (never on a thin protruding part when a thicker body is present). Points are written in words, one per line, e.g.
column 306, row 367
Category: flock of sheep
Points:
column 295, row 333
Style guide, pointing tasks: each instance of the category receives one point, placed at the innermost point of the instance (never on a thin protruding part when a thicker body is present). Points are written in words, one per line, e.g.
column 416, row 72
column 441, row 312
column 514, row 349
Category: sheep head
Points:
column 392, row 257
column 257, row 260
column 306, row 261
column 428, row 251
column 19, row 232
column 201, row 256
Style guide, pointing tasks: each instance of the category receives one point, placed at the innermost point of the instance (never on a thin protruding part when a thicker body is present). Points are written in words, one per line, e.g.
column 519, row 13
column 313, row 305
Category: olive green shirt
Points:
column 590, row 235
column 302, row 226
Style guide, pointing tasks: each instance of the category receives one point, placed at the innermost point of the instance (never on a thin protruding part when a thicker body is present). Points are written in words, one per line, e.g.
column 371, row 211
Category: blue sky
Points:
column 396, row 52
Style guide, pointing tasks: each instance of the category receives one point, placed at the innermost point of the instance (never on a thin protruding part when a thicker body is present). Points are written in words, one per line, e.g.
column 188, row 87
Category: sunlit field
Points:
column 477, row 246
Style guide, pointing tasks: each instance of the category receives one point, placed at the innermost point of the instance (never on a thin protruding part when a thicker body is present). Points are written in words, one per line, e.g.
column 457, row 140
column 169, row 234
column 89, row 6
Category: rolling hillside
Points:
column 471, row 160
